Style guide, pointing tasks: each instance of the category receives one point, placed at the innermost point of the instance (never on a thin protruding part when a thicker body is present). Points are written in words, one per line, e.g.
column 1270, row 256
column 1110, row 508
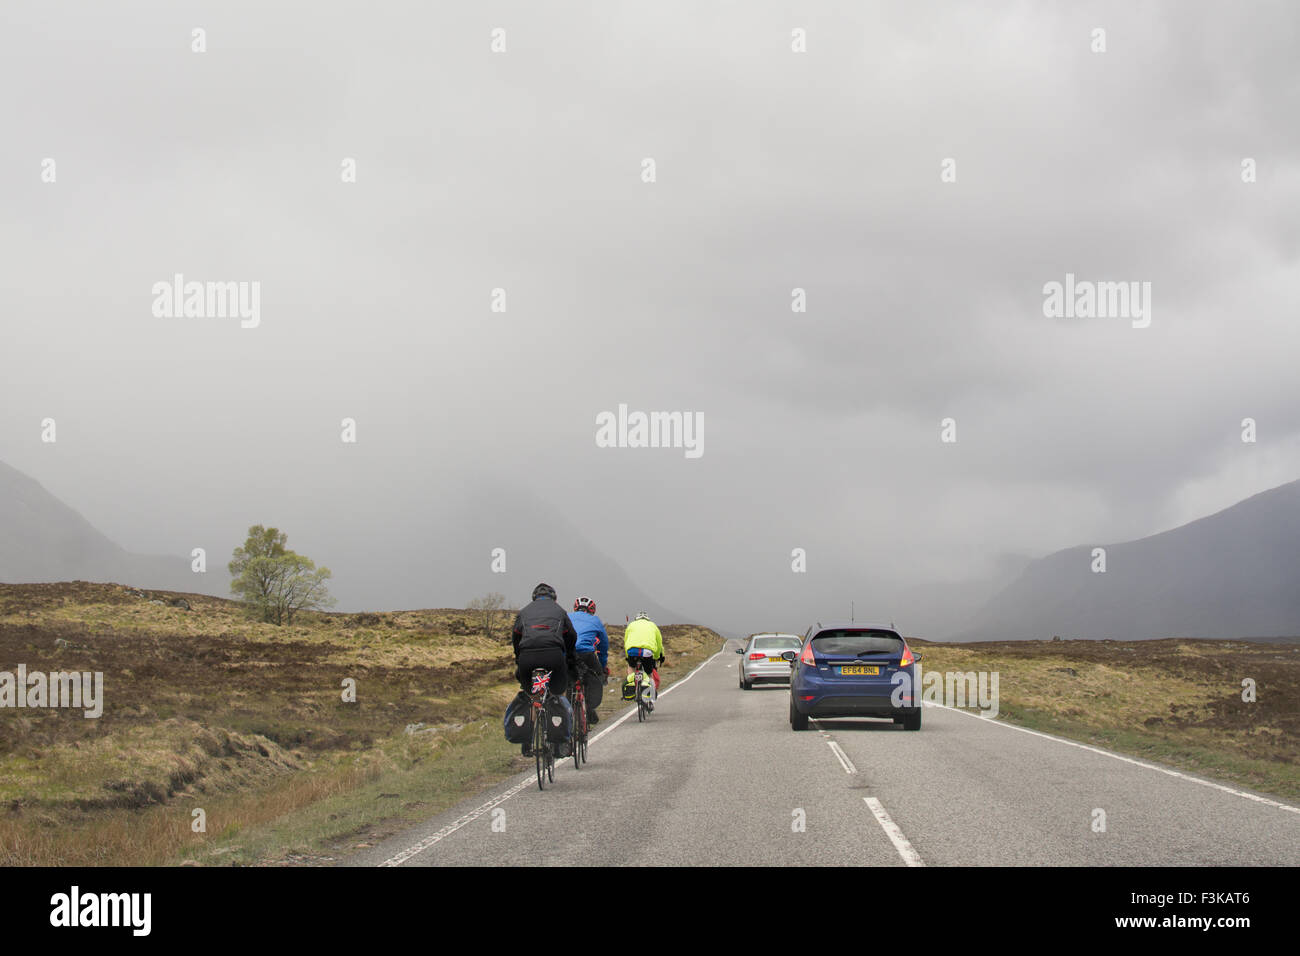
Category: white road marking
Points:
column 901, row 844
column 836, row 749
column 1137, row 763
column 843, row 758
column 452, row 827
column 531, row 777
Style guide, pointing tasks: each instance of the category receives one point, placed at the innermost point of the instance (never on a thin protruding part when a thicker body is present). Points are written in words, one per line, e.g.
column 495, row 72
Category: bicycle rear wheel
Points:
column 539, row 746
column 586, row 729
column 640, row 699
column 579, row 727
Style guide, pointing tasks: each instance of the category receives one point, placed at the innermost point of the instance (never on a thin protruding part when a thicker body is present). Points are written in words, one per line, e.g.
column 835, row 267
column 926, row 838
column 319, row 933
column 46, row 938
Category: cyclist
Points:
column 544, row 637
column 592, row 649
column 642, row 641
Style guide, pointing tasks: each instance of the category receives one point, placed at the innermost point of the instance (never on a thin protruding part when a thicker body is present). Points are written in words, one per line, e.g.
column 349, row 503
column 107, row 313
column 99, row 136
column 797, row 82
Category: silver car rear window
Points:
column 784, row 643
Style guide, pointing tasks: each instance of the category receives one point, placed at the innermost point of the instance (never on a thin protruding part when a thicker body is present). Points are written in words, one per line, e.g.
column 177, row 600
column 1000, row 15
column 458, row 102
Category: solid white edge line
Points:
column 1137, row 763
column 416, row 849
column 901, row 844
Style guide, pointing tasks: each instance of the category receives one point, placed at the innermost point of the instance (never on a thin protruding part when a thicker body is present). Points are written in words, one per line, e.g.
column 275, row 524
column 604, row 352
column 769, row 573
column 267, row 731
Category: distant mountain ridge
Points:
column 431, row 559
column 1232, row 574
column 442, row 555
column 42, row 539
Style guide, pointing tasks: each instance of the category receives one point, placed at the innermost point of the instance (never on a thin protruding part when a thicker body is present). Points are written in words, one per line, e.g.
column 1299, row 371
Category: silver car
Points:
column 761, row 660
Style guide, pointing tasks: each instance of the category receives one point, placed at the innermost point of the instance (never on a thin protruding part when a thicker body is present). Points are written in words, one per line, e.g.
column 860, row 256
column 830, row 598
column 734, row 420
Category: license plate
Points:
column 776, row 660
column 869, row 671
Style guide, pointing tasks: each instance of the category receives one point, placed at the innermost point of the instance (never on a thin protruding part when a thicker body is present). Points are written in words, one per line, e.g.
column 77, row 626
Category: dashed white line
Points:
column 836, row 749
column 901, row 844
column 842, row 757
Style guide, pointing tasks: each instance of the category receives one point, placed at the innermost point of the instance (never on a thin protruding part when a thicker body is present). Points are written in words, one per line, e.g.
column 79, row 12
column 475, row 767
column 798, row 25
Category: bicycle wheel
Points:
column 539, row 746
column 579, row 727
column 640, row 699
column 586, row 728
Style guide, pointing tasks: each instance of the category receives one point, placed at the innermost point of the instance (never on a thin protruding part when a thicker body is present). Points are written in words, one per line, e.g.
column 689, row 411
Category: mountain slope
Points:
column 443, row 556
column 1232, row 574
column 440, row 556
column 42, row 539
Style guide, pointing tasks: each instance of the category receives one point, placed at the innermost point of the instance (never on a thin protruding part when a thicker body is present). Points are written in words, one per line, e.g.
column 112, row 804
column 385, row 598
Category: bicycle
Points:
column 578, row 697
column 542, row 750
column 643, row 704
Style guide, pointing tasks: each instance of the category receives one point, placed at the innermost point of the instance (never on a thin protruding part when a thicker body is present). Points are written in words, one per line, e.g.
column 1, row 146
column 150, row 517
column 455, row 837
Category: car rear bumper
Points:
column 763, row 670
column 830, row 706
column 818, row 696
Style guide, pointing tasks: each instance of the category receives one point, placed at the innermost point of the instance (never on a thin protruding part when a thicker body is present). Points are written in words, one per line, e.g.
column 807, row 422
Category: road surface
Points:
column 716, row 776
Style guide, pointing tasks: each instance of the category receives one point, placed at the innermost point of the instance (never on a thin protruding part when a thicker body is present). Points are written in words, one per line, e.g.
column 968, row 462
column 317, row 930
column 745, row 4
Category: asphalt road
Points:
column 716, row 776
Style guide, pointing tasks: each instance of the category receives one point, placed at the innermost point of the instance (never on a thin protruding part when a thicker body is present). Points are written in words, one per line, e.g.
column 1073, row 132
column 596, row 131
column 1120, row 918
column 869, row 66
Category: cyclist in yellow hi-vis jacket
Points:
column 642, row 641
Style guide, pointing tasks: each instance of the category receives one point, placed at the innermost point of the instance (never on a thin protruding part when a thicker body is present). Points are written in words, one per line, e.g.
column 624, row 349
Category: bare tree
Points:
column 488, row 606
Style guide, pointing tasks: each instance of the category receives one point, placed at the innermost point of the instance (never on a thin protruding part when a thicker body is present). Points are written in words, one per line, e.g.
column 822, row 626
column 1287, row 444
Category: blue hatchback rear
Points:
column 854, row 670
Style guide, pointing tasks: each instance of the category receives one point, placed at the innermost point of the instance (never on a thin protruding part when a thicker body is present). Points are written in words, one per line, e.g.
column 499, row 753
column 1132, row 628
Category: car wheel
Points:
column 912, row 721
column 798, row 721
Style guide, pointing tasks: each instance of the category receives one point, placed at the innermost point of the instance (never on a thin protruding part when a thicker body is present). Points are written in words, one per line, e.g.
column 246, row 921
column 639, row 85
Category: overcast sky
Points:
column 774, row 170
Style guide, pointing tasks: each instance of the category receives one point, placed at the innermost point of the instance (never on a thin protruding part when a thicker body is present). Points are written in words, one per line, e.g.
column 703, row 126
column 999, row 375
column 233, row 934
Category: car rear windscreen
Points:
column 777, row 643
column 847, row 643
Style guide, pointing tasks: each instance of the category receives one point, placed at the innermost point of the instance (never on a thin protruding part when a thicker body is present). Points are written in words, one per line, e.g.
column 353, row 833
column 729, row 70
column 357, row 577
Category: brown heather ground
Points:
column 1178, row 702
column 207, row 709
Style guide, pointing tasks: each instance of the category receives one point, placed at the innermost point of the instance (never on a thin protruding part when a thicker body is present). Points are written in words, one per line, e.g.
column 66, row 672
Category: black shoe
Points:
column 593, row 718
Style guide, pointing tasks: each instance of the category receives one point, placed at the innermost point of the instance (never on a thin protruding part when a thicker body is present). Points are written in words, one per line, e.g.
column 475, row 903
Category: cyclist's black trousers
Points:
column 594, row 685
column 551, row 659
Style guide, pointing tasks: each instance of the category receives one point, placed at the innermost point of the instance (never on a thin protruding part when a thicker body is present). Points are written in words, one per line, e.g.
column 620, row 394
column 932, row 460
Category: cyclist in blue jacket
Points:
column 592, row 648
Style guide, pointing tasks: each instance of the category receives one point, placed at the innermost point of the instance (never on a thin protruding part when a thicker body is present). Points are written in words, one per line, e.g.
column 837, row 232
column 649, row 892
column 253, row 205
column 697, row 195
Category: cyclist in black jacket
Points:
column 544, row 636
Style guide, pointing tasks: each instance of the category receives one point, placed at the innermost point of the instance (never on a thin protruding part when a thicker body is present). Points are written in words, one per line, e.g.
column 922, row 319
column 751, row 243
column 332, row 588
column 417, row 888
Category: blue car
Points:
column 854, row 670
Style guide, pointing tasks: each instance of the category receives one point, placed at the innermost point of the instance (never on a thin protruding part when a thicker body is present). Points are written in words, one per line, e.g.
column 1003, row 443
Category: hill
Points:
column 1234, row 574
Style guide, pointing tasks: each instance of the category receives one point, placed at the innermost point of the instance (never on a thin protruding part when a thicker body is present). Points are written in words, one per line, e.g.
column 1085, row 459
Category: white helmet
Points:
column 642, row 616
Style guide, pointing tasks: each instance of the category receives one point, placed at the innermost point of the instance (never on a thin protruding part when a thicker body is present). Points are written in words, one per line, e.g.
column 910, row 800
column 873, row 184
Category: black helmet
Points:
column 544, row 590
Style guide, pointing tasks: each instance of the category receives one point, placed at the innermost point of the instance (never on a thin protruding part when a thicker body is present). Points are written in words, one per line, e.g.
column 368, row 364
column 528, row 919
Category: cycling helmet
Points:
column 642, row 616
column 544, row 590
column 585, row 604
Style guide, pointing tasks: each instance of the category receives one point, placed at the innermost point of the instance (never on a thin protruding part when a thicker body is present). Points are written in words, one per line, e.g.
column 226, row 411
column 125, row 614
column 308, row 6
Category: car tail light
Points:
column 807, row 656
column 757, row 656
column 907, row 657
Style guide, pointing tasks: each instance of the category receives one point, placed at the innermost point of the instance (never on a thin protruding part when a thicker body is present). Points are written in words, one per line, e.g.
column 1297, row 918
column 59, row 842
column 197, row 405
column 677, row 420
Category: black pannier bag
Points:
column 559, row 718
column 519, row 720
